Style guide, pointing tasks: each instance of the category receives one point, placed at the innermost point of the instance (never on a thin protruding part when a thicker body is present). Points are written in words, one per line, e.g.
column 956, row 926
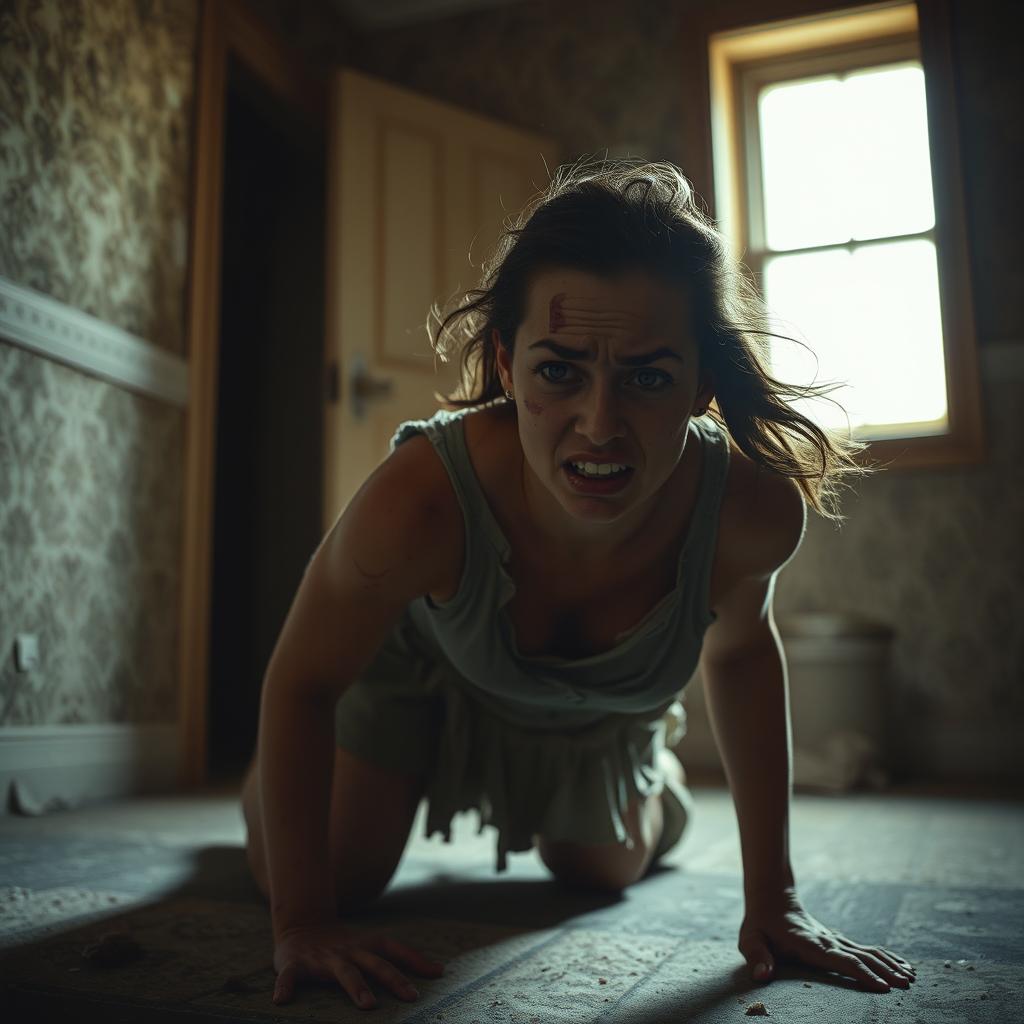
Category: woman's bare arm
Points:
column 400, row 537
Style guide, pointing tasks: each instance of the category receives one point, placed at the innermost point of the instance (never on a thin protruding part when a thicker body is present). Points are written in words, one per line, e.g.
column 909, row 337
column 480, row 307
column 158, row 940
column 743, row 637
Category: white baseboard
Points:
column 62, row 766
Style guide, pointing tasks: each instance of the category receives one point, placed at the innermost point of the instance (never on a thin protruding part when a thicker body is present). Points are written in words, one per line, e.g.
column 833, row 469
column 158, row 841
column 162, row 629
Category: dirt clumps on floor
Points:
column 114, row 949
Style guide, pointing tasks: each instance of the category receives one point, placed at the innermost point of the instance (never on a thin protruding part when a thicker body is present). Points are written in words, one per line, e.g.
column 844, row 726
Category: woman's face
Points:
column 604, row 371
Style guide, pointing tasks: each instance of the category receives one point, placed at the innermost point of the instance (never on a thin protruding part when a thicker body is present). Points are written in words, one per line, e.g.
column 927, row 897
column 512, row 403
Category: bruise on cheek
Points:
column 556, row 318
column 533, row 407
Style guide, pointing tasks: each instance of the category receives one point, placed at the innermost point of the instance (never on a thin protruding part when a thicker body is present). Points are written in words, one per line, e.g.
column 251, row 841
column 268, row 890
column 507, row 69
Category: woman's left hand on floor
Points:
column 784, row 931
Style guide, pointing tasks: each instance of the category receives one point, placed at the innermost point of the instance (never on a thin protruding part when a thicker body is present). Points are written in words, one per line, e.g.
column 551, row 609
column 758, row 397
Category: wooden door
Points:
column 415, row 188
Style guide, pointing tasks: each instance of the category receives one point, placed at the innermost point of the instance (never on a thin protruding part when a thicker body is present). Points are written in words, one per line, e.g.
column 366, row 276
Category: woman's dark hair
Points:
column 613, row 216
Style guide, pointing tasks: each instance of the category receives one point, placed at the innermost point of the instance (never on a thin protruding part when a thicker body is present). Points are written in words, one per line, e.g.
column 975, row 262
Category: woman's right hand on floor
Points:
column 330, row 951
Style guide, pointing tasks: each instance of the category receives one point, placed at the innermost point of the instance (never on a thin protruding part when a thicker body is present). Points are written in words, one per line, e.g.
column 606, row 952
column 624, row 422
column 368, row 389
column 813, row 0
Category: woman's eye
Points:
column 647, row 379
column 652, row 380
column 554, row 373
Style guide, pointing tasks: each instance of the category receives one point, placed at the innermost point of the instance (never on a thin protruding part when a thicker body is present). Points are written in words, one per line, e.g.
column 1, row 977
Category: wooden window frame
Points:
column 745, row 45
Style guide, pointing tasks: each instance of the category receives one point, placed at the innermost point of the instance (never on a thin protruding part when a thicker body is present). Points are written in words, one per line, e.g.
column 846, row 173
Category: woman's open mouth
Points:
column 597, row 478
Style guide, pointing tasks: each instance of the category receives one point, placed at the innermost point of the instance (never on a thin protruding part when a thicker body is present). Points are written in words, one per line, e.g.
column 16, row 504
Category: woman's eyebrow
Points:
column 575, row 353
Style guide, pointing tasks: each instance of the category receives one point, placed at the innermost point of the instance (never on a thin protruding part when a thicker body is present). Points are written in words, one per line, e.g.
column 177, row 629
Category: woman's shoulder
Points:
column 763, row 515
column 414, row 475
column 492, row 443
column 491, row 446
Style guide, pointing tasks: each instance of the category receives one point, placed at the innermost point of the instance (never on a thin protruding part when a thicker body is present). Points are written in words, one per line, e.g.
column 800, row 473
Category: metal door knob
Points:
column 364, row 388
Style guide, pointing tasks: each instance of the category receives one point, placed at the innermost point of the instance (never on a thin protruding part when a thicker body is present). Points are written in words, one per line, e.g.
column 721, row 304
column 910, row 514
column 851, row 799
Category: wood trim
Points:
column 958, row 319
column 255, row 45
column 719, row 140
column 200, row 419
column 225, row 28
column 801, row 27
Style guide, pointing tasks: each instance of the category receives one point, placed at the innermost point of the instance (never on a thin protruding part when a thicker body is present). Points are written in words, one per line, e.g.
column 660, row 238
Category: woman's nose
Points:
column 598, row 418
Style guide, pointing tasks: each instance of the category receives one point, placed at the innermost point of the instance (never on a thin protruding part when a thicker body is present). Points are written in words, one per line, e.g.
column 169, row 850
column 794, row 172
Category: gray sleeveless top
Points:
column 472, row 638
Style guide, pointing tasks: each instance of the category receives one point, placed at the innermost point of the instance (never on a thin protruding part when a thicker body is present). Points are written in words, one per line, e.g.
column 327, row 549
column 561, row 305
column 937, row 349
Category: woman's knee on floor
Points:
column 608, row 866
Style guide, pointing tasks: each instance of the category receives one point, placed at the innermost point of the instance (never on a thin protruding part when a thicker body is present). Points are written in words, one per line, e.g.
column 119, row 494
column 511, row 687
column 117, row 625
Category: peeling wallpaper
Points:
column 95, row 128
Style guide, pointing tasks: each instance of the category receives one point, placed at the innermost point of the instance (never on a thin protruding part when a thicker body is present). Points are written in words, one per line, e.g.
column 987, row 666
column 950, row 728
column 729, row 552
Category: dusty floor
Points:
column 933, row 876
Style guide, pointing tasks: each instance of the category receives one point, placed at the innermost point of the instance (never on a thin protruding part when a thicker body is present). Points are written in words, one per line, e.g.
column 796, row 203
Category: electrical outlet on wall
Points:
column 26, row 651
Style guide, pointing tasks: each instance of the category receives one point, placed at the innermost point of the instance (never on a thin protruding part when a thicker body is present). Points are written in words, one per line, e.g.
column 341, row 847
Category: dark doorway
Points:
column 268, row 487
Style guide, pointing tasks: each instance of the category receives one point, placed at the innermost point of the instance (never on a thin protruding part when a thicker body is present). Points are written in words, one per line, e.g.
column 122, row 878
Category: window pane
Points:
column 802, row 145
column 872, row 318
column 846, row 159
column 890, row 170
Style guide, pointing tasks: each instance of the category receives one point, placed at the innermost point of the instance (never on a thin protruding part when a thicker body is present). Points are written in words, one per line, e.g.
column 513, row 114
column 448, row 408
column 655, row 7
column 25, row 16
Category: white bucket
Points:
column 838, row 692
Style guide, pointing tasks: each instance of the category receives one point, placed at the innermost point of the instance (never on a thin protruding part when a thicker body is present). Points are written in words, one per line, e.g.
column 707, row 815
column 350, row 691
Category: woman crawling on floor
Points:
column 503, row 617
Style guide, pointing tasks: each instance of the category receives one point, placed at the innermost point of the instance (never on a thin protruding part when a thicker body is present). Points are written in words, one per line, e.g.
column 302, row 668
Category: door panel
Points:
column 416, row 189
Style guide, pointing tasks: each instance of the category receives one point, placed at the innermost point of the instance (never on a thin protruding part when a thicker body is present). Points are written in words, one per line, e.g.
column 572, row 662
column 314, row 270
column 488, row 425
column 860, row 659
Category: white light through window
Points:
column 845, row 161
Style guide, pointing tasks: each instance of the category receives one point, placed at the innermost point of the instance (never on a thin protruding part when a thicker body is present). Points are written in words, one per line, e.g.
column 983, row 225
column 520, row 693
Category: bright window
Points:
column 866, row 297
column 832, row 188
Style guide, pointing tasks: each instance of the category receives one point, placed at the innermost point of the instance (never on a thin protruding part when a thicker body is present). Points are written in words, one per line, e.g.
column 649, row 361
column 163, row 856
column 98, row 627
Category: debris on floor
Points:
column 114, row 949
column 21, row 800
column 757, row 1009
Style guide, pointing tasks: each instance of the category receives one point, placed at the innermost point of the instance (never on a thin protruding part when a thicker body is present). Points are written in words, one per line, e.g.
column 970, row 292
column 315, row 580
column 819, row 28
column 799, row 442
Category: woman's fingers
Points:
column 889, row 961
column 877, row 968
column 845, row 963
column 335, row 954
column 410, row 957
column 386, row 973
column 890, row 974
column 352, row 981
column 855, row 966
column 285, row 984
column 340, row 968
column 897, row 963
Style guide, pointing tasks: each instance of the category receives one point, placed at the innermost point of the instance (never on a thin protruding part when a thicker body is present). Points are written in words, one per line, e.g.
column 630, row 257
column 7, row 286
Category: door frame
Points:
column 226, row 30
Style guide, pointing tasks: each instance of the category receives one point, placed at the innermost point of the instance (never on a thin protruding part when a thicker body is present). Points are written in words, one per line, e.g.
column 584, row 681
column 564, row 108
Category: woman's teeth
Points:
column 595, row 469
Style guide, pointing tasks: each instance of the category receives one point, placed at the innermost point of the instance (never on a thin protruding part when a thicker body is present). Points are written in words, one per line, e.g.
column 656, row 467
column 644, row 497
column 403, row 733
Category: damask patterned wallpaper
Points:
column 95, row 143
column 94, row 155
column 90, row 535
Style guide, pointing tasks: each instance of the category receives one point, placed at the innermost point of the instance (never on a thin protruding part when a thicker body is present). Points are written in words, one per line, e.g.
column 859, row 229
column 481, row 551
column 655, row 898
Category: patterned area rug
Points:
column 934, row 881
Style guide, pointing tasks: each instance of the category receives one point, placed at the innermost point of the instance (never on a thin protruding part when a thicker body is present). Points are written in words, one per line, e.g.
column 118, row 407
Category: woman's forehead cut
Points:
column 650, row 321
